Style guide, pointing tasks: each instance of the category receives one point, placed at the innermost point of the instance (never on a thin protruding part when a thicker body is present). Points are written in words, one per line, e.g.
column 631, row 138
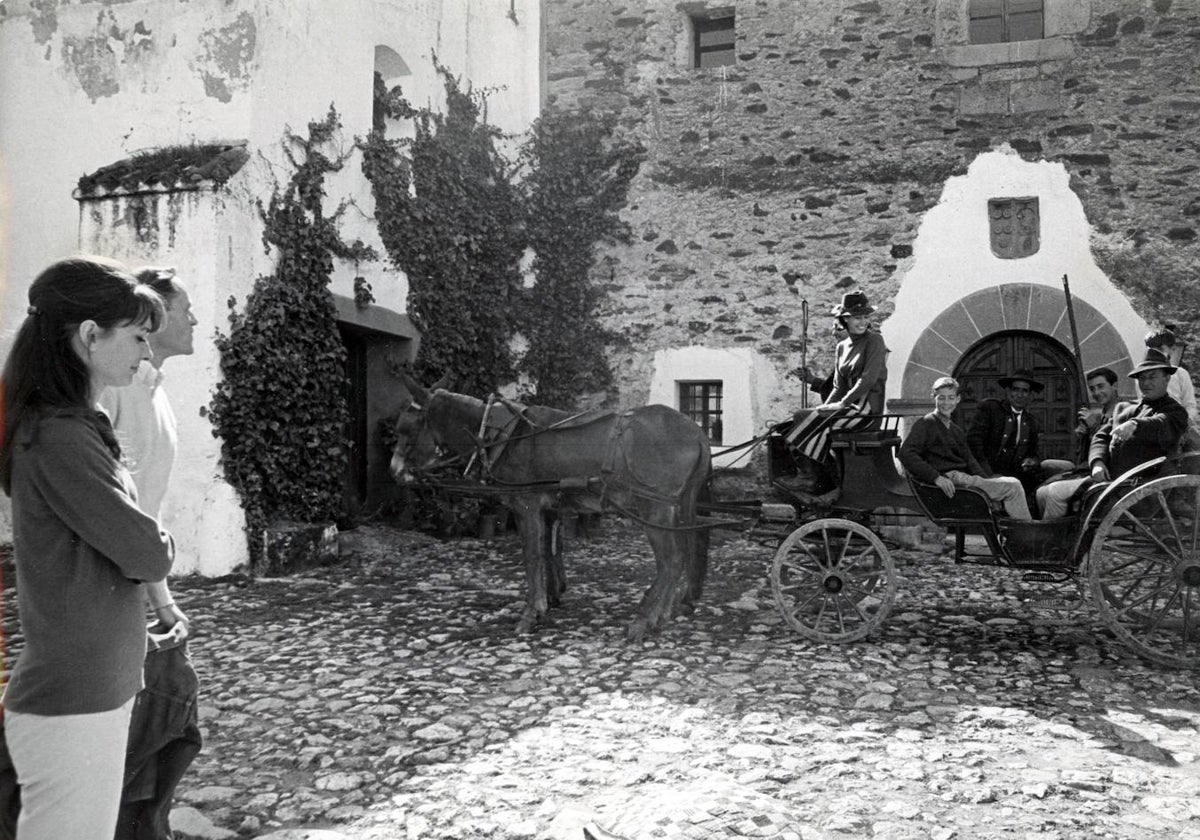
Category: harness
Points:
column 496, row 432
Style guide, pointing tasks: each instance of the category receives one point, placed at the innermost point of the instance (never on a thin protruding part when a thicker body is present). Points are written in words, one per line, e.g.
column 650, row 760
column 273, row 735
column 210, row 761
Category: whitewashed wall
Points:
column 84, row 84
column 952, row 256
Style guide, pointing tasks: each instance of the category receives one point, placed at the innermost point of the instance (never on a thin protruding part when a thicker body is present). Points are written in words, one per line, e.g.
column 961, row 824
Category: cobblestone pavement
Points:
column 388, row 697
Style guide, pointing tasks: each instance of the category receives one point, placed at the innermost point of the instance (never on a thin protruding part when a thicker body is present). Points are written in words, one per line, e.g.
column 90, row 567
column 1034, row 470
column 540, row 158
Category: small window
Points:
column 713, row 38
column 1002, row 21
column 701, row 401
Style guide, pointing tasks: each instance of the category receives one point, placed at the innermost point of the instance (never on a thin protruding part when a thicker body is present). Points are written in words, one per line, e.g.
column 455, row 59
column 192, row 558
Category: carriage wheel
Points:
column 833, row 580
column 1144, row 570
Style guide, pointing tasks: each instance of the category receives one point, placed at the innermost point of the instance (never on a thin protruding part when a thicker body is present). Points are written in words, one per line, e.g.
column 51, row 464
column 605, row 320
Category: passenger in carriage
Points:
column 936, row 451
column 1004, row 436
column 859, row 379
column 1166, row 340
column 1102, row 388
column 1135, row 433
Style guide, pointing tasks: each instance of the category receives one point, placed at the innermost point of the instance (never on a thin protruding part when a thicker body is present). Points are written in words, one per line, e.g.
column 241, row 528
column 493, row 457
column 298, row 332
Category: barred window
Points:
column 1002, row 21
column 701, row 401
column 712, row 41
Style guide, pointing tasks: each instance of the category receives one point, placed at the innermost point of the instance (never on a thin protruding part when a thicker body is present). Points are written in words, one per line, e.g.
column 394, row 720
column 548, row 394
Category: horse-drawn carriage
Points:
column 1133, row 545
column 1135, row 541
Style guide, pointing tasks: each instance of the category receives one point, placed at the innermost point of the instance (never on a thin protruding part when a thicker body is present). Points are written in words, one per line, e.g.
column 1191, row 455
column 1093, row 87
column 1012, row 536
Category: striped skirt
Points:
column 810, row 436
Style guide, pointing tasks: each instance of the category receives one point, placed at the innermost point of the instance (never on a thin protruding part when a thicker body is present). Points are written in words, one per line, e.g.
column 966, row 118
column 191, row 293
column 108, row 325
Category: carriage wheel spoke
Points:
column 833, row 580
column 1143, row 568
column 1142, row 529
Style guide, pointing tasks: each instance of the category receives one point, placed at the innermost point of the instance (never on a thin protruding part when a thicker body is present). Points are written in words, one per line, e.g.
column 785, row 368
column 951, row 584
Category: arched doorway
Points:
column 999, row 354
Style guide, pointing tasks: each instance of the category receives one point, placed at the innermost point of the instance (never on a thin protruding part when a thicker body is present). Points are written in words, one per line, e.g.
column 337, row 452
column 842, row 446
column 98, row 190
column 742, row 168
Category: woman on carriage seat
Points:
column 859, row 378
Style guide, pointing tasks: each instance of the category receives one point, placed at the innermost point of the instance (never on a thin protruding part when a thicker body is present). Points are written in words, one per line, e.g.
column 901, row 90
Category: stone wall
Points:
column 806, row 168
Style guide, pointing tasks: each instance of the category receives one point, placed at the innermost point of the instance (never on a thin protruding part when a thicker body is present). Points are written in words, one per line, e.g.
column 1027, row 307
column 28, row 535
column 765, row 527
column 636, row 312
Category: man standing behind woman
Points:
column 859, row 380
column 164, row 733
column 145, row 424
column 1166, row 339
column 82, row 546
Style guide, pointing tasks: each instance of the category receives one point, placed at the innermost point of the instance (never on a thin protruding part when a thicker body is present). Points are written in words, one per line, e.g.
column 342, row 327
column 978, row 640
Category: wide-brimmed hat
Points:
column 853, row 304
column 1022, row 375
column 1155, row 360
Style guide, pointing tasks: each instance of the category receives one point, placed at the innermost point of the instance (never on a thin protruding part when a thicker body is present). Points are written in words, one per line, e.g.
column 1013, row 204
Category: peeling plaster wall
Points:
column 84, row 83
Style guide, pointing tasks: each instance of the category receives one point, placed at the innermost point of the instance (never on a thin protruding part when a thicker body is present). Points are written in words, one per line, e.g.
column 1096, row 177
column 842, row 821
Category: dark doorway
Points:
column 999, row 354
column 354, row 491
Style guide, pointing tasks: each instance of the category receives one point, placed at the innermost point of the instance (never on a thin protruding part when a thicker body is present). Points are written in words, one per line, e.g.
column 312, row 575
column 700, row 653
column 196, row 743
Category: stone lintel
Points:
column 981, row 55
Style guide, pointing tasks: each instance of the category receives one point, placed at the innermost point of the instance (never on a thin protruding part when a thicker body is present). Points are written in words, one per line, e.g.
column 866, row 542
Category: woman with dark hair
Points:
column 859, row 379
column 82, row 546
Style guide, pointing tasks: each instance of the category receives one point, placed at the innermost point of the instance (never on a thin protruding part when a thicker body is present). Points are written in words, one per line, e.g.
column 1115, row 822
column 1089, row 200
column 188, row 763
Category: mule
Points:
column 651, row 464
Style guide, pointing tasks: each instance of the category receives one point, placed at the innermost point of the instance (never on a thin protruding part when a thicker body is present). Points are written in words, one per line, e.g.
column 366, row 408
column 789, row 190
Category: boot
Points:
column 806, row 477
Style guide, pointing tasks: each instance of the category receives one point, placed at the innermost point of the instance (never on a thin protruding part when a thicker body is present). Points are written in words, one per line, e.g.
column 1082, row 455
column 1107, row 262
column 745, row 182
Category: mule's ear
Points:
column 442, row 384
column 417, row 394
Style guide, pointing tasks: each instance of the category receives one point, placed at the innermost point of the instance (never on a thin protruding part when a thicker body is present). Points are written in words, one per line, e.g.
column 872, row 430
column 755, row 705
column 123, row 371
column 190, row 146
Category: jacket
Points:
column 992, row 424
column 1160, row 428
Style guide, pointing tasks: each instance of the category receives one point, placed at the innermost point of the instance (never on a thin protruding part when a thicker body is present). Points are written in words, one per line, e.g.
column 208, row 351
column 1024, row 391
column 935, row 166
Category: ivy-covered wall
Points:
column 807, row 167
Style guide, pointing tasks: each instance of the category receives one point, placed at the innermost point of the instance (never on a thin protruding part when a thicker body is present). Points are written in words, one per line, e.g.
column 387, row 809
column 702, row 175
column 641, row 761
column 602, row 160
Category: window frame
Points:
column 1008, row 11
column 698, row 406
column 713, row 21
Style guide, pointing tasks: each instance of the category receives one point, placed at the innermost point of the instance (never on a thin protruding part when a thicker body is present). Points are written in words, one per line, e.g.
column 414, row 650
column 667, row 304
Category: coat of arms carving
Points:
column 1015, row 227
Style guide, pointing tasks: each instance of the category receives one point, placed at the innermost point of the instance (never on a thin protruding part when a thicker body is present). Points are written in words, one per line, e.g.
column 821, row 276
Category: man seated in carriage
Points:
column 1004, row 436
column 935, row 451
column 1136, row 432
column 1102, row 389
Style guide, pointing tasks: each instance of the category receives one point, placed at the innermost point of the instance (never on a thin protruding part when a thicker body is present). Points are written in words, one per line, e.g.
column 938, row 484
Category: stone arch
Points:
column 1011, row 306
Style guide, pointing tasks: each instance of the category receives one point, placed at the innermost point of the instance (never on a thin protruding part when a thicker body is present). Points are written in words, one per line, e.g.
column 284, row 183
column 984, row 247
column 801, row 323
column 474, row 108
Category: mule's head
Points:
column 416, row 448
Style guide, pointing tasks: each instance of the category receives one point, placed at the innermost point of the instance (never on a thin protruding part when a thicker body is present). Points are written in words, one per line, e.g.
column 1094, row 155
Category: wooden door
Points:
column 980, row 369
column 354, row 488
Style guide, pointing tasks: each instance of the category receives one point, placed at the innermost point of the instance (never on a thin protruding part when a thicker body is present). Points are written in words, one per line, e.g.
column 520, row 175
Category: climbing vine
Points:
column 280, row 408
column 457, row 219
column 1156, row 274
column 450, row 218
column 576, row 179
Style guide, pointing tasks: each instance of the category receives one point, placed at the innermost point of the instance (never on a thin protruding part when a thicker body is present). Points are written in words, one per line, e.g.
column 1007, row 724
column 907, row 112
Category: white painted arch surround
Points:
column 952, row 256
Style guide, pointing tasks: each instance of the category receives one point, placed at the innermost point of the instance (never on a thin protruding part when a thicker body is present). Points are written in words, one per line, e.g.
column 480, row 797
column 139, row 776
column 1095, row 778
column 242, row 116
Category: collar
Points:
column 149, row 376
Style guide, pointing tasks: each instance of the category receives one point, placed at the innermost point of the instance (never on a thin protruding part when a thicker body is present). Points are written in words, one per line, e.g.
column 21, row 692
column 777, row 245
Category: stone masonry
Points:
column 805, row 169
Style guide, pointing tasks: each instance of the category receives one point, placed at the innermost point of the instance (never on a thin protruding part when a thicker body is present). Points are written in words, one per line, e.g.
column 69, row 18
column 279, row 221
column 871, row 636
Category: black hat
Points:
column 1022, row 375
column 1155, row 360
column 853, row 304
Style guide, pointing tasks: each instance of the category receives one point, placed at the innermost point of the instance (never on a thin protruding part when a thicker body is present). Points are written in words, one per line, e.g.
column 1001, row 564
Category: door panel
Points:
column 981, row 367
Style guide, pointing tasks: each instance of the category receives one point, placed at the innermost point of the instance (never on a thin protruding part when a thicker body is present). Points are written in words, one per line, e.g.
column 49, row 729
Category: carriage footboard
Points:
column 1041, row 543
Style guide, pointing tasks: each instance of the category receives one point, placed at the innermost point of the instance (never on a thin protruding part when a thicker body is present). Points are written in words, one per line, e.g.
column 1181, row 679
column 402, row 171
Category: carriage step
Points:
column 778, row 512
column 1046, row 577
column 1054, row 602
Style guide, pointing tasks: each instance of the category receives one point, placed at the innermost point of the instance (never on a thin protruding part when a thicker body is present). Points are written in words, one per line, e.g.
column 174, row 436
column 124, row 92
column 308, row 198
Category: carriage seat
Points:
column 870, row 439
column 968, row 506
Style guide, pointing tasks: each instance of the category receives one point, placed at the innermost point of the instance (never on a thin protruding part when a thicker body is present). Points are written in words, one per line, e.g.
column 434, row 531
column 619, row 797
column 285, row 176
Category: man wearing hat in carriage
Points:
column 1168, row 341
column 1135, row 433
column 1004, row 436
column 859, row 379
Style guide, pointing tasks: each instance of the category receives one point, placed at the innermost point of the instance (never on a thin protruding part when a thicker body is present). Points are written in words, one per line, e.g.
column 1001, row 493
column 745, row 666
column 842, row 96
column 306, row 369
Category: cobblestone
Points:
column 387, row 698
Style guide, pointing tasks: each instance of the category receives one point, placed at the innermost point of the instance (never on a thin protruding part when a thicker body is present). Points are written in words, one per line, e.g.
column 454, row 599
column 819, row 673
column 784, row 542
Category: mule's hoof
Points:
column 684, row 608
column 641, row 627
